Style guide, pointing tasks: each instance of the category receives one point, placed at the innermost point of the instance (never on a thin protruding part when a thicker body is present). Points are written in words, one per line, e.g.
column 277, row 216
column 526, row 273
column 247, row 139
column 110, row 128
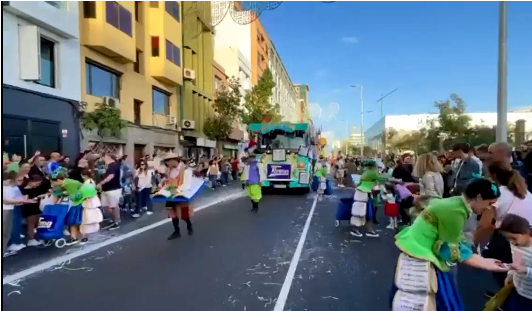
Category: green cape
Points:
column 441, row 222
column 78, row 192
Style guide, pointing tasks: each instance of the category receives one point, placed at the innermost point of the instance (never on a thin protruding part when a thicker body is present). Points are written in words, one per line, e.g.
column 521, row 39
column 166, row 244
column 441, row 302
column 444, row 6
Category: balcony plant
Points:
column 105, row 120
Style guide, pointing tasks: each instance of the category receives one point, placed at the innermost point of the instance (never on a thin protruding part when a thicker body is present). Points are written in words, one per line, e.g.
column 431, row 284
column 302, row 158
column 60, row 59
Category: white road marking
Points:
column 285, row 290
column 91, row 248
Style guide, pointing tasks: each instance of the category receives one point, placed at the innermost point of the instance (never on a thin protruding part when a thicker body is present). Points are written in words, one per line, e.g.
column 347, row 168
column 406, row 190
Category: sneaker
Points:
column 174, row 236
column 372, row 234
column 16, row 247
column 390, row 226
column 224, row 185
column 66, row 232
column 83, row 241
column 149, row 213
column 136, row 215
column 9, row 253
column 34, row 243
column 72, row 241
column 114, row 226
column 356, row 234
column 145, row 208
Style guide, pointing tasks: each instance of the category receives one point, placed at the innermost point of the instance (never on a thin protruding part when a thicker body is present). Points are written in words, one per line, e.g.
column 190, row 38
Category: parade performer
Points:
column 254, row 176
column 321, row 174
column 83, row 196
column 179, row 189
column 363, row 209
column 424, row 277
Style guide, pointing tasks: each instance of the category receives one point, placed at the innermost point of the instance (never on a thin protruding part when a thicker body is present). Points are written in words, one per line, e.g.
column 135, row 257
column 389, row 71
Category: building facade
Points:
column 404, row 124
column 259, row 50
column 131, row 52
column 302, row 93
column 228, row 147
column 284, row 92
column 198, row 57
column 41, row 77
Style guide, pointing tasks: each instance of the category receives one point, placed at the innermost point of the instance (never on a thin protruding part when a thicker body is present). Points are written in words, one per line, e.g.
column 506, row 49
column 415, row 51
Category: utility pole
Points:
column 502, row 92
column 381, row 100
column 361, row 87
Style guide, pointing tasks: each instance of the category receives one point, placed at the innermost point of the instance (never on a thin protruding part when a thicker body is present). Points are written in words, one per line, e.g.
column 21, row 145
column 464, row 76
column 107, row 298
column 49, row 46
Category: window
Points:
column 89, row 9
column 259, row 59
column 172, row 53
column 101, row 81
column 155, row 46
column 161, row 102
column 57, row 4
column 137, row 108
column 138, row 11
column 47, row 63
column 119, row 17
column 139, row 58
column 217, row 83
column 172, row 8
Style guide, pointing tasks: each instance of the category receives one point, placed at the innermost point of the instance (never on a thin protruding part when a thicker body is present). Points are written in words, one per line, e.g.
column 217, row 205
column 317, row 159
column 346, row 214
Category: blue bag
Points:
column 315, row 183
column 74, row 216
column 52, row 222
column 328, row 188
column 343, row 212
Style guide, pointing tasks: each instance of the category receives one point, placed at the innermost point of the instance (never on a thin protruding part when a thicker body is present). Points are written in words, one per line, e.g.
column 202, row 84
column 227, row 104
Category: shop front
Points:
column 230, row 147
column 196, row 148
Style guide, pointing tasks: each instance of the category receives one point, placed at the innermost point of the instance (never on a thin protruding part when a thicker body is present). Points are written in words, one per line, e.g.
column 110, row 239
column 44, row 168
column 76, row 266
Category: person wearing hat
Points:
column 363, row 209
column 177, row 174
column 254, row 176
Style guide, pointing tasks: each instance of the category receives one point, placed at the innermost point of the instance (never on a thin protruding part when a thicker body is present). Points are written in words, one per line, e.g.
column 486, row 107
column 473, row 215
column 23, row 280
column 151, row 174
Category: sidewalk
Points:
column 32, row 256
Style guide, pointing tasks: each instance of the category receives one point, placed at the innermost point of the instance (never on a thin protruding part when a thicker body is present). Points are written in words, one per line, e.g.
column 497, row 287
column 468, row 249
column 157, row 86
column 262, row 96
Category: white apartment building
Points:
column 41, row 87
column 284, row 92
column 404, row 124
column 232, row 50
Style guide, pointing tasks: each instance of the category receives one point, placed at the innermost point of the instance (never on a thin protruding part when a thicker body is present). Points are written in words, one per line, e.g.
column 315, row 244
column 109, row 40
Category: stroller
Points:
column 52, row 222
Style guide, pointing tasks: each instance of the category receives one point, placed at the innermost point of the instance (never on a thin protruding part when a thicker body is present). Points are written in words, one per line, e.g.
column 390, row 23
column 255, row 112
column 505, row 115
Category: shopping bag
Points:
column 52, row 221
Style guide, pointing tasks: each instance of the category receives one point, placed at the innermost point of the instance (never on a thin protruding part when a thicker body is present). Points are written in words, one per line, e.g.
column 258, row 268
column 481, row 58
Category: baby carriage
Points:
column 52, row 222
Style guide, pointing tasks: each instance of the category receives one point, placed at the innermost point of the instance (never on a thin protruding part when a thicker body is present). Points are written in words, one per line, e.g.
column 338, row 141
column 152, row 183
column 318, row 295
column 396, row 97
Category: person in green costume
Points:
column 363, row 209
column 254, row 176
column 77, row 192
column 436, row 237
column 321, row 173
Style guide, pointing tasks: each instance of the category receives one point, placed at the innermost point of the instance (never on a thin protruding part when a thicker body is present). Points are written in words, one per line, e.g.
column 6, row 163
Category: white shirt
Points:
column 144, row 179
column 10, row 192
column 508, row 203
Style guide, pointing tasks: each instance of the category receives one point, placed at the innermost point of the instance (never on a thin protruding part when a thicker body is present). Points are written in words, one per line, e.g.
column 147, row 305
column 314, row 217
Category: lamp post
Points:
column 502, row 94
column 361, row 87
column 381, row 100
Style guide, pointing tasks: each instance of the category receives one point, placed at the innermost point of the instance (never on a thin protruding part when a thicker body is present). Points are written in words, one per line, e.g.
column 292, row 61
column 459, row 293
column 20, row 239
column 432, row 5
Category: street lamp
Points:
column 361, row 87
column 381, row 101
column 502, row 92
column 347, row 132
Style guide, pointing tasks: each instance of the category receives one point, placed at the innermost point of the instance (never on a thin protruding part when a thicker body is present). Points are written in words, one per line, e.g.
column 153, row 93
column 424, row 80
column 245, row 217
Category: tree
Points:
column 257, row 105
column 106, row 120
column 226, row 109
column 452, row 119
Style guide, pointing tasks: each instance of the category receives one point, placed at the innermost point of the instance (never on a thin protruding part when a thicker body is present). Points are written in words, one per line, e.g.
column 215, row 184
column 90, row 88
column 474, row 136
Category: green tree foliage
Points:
column 451, row 125
column 257, row 105
column 226, row 109
column 105, row 119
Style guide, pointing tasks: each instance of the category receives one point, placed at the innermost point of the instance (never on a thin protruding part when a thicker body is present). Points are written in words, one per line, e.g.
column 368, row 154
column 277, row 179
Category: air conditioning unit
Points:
column 111, row 102
column 188, row 124
column 171, row 120
column 189, row 74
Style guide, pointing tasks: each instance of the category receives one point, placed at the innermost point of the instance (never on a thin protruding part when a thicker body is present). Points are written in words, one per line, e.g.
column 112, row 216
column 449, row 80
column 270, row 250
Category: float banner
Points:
column 279, row 171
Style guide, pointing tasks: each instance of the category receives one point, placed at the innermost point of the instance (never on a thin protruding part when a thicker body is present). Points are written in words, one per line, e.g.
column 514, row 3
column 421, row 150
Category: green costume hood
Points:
column 441, row 222
column 78, row 192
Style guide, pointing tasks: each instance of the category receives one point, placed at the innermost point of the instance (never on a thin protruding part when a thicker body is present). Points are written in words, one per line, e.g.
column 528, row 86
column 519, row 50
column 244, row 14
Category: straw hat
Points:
column 169, row 156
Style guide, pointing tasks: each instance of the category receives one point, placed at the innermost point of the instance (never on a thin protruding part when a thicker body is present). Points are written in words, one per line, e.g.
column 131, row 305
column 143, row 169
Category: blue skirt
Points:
column 74, row 216
column 447, row 297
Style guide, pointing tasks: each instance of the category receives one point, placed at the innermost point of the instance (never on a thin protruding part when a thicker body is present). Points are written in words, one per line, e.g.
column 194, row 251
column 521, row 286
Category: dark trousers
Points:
column 143, row 199
column 225, row 178
column 175, row 223
column 404, row 206
column 234, row 174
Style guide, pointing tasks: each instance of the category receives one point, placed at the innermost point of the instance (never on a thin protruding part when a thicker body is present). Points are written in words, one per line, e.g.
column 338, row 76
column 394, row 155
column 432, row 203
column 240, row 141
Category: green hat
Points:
column 369, row 162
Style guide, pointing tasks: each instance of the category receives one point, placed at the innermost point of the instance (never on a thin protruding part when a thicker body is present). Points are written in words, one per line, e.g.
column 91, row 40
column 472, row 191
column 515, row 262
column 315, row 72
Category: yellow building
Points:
column 302, row 95
column 132, row 58
column 198, row 57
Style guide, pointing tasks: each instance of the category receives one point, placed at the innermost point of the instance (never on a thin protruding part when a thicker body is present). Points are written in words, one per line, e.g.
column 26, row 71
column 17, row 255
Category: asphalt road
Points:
column 236, row 260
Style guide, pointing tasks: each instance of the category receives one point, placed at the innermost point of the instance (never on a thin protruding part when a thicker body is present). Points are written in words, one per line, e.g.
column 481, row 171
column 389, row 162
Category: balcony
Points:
column 165, row 71
column 111, row 32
